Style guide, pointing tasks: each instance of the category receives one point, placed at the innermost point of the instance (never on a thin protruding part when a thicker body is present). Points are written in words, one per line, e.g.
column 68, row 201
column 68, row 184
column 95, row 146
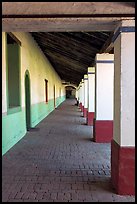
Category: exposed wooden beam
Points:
column 108, row 46
column 61, row 43
column 59, row 24
column 58, row 8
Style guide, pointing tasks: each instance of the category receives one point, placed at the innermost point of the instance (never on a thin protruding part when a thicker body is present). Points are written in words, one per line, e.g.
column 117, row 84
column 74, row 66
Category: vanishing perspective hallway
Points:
column 57, row 161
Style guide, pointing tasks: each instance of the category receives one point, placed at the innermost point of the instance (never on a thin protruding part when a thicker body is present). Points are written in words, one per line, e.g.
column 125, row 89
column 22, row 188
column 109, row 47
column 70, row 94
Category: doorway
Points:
column 54, row 98
column 27, row 101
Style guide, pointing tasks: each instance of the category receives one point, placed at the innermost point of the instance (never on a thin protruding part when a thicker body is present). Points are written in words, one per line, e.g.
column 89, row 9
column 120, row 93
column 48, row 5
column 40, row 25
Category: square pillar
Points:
column 123, row 143
column 91, row 95
column 80, row 103
column 82, row 96
column 85, row 96
column 104, row 76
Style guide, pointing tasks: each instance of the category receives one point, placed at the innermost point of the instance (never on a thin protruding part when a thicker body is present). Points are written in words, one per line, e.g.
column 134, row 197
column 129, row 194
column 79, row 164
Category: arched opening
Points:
column 27, row 101
column 70, row 92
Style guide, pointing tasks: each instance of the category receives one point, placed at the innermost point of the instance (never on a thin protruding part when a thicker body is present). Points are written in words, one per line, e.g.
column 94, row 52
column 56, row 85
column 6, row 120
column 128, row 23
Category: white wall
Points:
column 104, row 87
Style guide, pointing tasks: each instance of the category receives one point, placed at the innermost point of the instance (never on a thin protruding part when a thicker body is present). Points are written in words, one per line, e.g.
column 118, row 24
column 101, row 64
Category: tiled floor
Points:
column 57, row 161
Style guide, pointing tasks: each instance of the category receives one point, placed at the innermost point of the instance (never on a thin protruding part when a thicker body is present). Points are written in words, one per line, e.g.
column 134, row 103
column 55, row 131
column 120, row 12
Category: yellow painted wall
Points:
column 33, row 60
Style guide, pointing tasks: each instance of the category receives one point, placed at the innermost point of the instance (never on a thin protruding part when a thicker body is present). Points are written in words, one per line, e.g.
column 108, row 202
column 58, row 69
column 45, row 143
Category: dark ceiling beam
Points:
column 77, row 42
column 70, row 63
column 82, row 37
column 108, row 46
column 73, row 43
column 64, row 50
column 61, row 42
column 70, row 78
column 53, row 50
column 94, row 36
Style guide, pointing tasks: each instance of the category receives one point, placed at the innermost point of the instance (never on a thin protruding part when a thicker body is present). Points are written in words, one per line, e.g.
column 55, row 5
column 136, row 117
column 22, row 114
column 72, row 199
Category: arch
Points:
column 27, row 100
column 71, row 85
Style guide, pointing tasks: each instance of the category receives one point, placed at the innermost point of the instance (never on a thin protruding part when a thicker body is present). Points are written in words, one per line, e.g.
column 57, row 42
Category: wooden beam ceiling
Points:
column 69, row 33
column 71, row 53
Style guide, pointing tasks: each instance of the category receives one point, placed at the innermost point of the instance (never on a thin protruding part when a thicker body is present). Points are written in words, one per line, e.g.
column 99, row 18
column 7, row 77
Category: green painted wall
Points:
column 39, row 68
column 13, row 129
column 14, row 125
column 41, row 110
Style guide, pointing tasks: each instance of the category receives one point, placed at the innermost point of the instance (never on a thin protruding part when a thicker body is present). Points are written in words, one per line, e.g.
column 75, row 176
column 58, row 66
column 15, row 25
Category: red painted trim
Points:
column 82, row 109
column 123, row 169
column 90, row 117
column 85, row 112
column 102, row 130
column 80, row 106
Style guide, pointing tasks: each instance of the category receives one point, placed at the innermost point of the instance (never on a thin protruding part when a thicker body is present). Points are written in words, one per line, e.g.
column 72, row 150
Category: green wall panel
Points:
column 14, row 125
column 13, row 129
column 41, row 110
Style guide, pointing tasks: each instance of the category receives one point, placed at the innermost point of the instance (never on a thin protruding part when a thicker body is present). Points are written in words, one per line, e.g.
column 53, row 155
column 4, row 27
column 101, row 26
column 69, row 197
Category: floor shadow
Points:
column 87, row 139
column 34, row 129
column 83, row 123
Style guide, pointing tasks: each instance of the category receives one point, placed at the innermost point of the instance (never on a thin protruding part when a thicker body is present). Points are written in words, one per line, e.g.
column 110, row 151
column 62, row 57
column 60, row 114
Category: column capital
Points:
column 91, row 70
column 125, row 26
column 85, row 76
column 104, row 58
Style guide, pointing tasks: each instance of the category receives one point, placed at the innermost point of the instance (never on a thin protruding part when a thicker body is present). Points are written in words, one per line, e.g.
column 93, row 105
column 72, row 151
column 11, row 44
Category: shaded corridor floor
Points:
column 57, row 161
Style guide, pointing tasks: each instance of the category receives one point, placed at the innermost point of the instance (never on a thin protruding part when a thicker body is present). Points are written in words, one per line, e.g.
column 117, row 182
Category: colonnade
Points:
column 106, row 96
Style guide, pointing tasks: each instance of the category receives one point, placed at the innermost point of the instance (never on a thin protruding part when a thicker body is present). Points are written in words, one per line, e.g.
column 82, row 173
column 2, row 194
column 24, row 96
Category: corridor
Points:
column 57, row 161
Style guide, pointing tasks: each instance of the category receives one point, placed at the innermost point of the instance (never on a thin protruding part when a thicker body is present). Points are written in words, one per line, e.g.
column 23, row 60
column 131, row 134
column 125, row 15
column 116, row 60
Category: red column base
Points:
column 90, row 117
column 80, row 106
column 85, row 112
column 102, row 130
column 123, row 169
column 82, row 109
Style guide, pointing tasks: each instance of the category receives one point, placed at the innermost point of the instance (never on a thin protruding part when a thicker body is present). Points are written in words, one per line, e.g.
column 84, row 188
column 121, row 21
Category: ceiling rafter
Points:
column 71, row 53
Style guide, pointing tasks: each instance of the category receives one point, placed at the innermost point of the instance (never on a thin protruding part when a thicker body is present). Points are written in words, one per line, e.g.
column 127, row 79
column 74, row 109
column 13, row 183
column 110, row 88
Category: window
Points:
column 13, row 71
column 60, row 92
column 46, row 90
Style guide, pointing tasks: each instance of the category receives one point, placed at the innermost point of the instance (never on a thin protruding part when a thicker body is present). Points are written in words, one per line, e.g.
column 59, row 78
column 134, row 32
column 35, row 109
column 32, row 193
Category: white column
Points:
column 104, row 83
column 104, row 86
column 124, row 112
column 91, row 95
column 85, row 96
column 123, row 143
column 82, row 93
column 77, row 93
column 80, row 96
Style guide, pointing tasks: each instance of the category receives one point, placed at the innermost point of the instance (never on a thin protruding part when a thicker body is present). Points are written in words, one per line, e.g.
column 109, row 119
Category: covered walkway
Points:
column 57, row 161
